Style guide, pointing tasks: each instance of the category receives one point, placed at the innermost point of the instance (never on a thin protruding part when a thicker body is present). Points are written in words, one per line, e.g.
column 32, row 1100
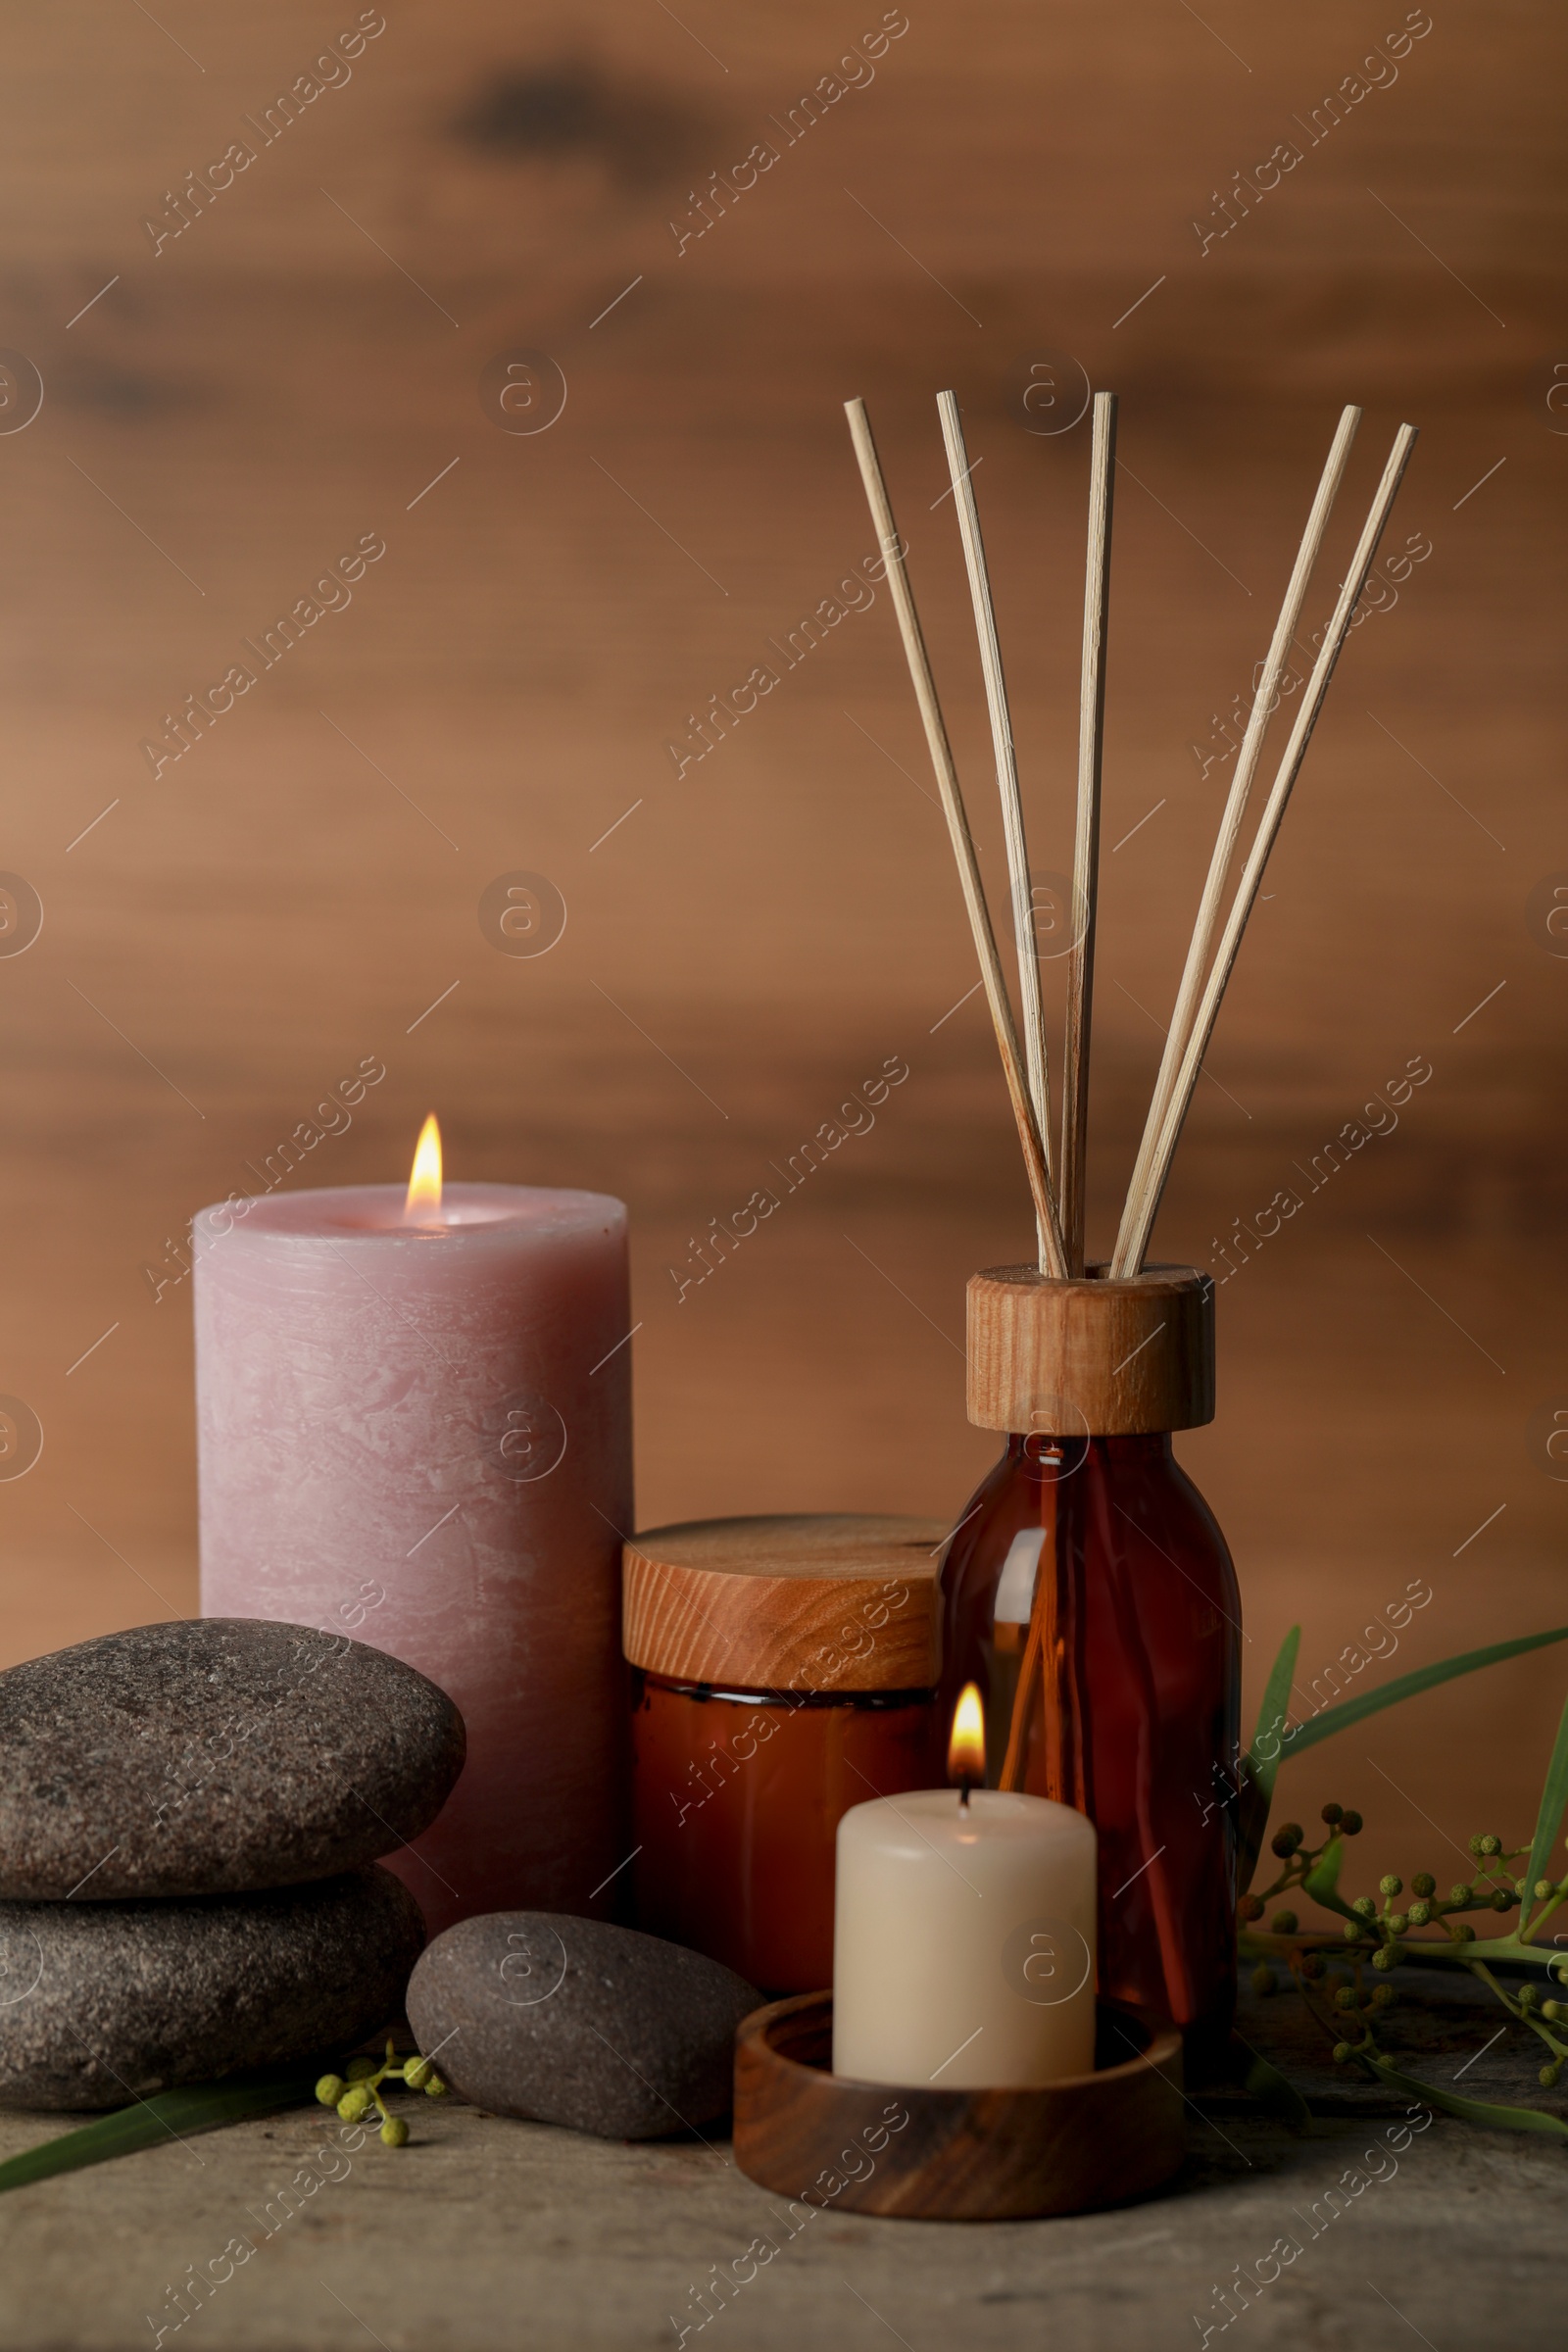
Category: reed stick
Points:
column 1208, row 911
column 1146, row 1206
column 1021, row 886
column 1070, row 1191
column 1043, row 1615
column 947, row 777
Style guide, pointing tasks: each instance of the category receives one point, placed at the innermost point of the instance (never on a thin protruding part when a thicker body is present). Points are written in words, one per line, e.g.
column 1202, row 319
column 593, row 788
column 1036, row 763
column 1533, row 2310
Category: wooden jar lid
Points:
column 830, row 1602
column 1095, row 1358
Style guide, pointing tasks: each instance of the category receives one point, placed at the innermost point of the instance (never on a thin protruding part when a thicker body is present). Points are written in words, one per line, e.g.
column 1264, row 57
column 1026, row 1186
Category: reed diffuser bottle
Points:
column 1089, row 1594
column 1088, row 1590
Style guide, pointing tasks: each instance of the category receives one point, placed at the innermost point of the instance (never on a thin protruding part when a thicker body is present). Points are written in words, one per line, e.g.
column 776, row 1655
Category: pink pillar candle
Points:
column 418, row 1430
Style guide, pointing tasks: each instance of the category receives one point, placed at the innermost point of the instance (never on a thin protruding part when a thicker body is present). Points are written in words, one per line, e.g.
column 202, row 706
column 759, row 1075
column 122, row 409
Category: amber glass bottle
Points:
column 1089, row 1594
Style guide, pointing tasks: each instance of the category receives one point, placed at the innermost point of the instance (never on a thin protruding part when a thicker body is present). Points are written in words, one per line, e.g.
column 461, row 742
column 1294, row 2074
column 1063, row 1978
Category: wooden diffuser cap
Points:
column 1091, row 1359
column 830, row 1602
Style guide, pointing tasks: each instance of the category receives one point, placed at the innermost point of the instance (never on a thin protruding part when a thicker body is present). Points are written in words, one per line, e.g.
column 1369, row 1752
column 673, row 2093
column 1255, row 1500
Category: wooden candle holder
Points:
column 935, row 2155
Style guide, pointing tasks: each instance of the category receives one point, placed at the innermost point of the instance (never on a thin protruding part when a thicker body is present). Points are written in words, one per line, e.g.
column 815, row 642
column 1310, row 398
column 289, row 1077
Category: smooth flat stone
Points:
column 214, row 1756
column 570, row 2021
column 101, row 2003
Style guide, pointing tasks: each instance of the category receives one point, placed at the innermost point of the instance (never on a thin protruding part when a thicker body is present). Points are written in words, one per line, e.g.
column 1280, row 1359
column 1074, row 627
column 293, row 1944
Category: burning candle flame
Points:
column 424, row 1184
column 967, row 1750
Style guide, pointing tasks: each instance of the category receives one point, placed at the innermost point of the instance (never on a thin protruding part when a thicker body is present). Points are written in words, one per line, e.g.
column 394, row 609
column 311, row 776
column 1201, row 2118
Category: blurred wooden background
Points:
column 1009, row 198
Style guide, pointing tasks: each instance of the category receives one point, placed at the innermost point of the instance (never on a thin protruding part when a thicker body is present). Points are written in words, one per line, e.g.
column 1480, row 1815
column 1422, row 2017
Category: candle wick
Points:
column 963, row 1793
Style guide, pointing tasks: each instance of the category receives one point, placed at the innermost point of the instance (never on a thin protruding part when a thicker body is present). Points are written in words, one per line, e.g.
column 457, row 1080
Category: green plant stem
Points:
column 1549, row 1906
column 1469, row 2111
column 1472, row 1957
column 1257, row 1944
column 1527, row 2017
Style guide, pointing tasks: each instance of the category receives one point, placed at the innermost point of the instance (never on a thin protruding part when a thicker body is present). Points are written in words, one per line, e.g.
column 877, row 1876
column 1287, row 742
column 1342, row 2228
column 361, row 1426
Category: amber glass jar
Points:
column 1090, row 1575
column 785, row 1671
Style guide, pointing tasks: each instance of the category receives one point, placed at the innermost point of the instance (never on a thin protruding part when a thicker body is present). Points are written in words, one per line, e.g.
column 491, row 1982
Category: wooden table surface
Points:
column 483, row 2233
column 752, row 934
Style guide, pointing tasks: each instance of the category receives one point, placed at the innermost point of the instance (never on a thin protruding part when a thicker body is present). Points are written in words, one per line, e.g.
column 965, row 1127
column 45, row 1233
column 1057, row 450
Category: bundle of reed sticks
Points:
column 1057, row 1179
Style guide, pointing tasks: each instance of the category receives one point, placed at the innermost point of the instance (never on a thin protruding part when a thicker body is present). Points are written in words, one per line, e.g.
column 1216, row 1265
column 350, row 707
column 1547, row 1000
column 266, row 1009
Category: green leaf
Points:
column 1469, row 2111
column 1548, row 1821
column 1275, row 2093
column 1258, row 1765
column 173, row 2115
column 1322, row 1881
column 1408, row 1685
column 1322, row 1884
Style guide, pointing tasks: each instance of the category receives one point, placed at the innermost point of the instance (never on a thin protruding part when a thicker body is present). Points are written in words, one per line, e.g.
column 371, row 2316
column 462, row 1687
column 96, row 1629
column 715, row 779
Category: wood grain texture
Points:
column 1031, row 1133
column 1095, row 1358
column 1027, row 947
column 1144, row 1211
column 954, row 2155
column 785, row 915
column 1269, row 675
column 836, row 1601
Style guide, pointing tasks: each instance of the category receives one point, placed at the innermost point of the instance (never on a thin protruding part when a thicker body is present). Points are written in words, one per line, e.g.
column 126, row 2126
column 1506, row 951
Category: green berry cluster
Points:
column 1289, row 1842
column 354, row 2099
column 1490, row 1889
column 1378, row 1933
column 1365, row 1923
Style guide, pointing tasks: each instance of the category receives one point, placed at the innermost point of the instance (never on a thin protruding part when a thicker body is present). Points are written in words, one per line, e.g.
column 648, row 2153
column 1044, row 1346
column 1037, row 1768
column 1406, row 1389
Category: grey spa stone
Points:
column 570, row 2021
column 214, row 1756
column 103, row 2003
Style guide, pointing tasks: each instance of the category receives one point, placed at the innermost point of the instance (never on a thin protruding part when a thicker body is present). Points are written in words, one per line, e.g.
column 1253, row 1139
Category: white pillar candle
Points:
column 963, row 1950
column 415, row 1427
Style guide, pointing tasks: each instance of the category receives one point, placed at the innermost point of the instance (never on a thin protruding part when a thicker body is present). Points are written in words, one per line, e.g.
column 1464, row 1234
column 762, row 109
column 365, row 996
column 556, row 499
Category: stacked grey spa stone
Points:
column 191, row 1816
